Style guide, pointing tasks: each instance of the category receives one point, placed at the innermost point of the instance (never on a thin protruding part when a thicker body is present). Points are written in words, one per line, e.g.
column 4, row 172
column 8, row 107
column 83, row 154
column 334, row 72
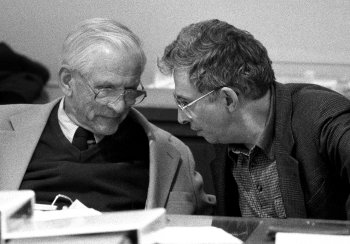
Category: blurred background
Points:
column 307, row 40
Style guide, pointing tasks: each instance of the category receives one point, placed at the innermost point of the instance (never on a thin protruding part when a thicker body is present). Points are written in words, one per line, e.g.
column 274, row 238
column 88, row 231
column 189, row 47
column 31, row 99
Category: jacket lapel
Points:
column 292, row 193
column 287, row 166
column 164, row 163
column 19, row 144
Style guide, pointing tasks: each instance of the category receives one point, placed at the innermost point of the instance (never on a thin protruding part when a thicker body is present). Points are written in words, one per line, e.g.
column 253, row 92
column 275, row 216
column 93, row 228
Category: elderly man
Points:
column 283, row 150
column 92, row 145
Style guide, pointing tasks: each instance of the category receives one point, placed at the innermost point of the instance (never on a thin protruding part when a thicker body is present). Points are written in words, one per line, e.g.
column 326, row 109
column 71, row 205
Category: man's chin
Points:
column 107, row 131
column 210, row 140
column 107, row 127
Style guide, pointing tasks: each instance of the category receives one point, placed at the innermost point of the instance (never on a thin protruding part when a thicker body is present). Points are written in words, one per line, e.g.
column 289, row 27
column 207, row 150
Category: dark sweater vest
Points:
column 109, row 176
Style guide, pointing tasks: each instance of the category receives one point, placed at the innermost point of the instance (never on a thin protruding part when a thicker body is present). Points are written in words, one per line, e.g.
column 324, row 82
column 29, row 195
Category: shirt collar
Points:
column 67, row 126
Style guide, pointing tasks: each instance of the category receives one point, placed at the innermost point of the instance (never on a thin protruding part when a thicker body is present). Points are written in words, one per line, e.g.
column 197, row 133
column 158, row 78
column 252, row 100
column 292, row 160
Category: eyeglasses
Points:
column 186, row 108
column 111, row 96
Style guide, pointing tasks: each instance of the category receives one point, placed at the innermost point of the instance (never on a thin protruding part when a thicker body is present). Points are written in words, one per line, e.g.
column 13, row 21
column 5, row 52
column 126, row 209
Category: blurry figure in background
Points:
column 91, row 144
column 282, row 150
column 21, row 79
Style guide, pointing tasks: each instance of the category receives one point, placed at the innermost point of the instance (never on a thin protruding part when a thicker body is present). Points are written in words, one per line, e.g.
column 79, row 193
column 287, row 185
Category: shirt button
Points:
column 259, row 187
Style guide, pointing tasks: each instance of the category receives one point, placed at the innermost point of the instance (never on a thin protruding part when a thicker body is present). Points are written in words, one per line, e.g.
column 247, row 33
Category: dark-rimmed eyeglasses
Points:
column 111, row 96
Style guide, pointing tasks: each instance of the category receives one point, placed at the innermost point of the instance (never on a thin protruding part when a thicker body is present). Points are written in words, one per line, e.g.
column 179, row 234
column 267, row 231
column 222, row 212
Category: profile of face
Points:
column 209, row 119
column 109, row 70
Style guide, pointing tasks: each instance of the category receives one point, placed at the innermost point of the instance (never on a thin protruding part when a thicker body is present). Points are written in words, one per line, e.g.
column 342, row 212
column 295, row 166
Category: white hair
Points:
column 91, row 33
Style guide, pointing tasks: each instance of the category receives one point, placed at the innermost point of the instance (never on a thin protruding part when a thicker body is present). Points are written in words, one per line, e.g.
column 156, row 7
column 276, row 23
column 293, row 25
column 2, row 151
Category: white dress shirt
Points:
column 67, row 126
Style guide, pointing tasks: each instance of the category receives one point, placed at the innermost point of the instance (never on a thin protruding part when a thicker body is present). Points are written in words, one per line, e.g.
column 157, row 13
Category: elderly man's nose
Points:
column 118, row 105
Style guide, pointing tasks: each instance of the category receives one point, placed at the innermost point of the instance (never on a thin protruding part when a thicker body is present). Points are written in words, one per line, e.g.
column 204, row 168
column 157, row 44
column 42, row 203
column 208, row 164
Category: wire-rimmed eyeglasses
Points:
column 185, row 108
column 111, row 96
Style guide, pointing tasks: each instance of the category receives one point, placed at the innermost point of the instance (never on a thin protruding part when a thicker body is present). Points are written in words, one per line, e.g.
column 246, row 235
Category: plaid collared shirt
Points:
column 257, row 180
column 255, row 172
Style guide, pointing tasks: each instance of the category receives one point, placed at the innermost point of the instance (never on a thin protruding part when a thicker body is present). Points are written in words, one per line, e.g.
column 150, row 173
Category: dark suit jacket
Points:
column 312, row 133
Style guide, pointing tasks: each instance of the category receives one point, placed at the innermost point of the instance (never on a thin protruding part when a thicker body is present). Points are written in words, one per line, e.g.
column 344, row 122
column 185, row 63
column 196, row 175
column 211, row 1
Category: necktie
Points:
column 81, row 138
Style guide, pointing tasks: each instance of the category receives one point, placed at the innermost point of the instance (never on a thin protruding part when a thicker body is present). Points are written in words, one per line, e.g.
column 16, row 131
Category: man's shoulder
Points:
column 35, row 111
column 309, row 107
column 312, row 96
column 307, row 89
column 8, row 109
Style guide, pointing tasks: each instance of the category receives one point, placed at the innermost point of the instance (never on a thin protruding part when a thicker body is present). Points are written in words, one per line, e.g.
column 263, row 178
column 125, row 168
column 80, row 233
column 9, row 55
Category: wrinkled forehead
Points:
column 123, row 63
column 128, row 64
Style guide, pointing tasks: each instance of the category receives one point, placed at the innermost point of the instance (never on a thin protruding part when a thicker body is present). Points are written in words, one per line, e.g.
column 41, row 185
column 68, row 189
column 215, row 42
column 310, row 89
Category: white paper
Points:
column 77, row 209
column 141, row 221
column 302, row 238
column 193, row 235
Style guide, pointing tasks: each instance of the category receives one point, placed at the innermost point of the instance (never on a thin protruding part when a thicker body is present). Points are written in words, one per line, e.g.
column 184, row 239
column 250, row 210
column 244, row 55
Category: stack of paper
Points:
column 124, row 226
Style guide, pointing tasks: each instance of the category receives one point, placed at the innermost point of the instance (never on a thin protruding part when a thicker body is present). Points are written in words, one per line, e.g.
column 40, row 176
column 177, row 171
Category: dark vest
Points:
column 112, row 175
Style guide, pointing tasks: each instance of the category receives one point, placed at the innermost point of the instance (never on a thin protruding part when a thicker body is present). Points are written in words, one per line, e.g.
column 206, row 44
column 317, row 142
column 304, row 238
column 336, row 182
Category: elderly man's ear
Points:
column 229, row 98
column 65, row 77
